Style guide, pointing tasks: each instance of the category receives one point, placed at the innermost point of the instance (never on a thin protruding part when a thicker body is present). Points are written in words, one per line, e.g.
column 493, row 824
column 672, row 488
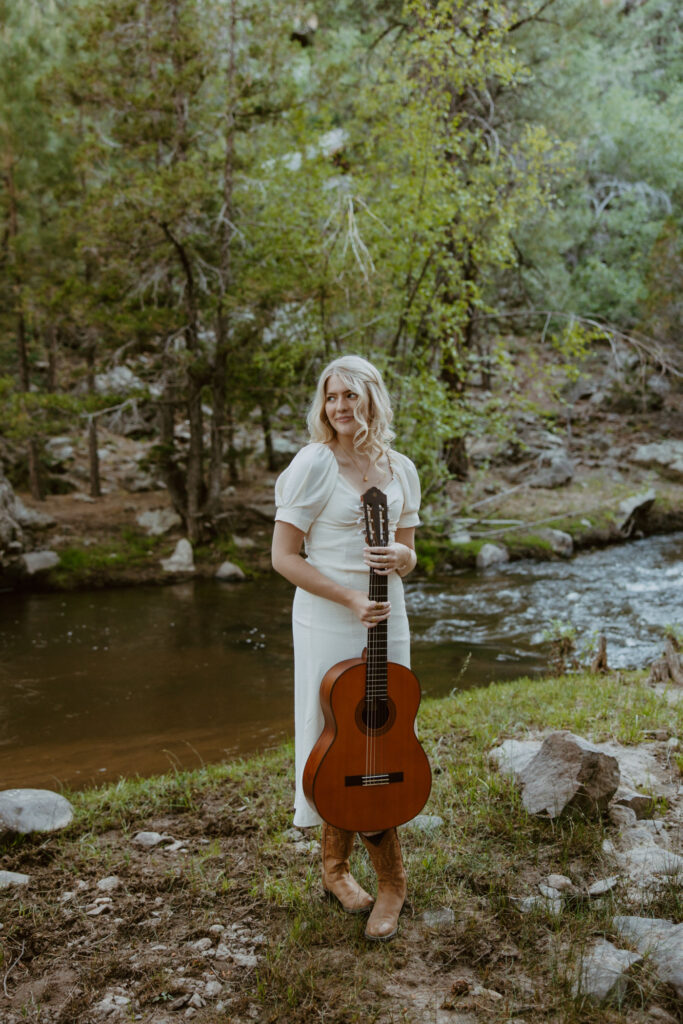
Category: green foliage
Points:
column 184, row 180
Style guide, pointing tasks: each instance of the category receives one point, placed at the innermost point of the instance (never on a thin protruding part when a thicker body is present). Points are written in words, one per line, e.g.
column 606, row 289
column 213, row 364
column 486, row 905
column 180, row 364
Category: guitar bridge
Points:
column 380, row 779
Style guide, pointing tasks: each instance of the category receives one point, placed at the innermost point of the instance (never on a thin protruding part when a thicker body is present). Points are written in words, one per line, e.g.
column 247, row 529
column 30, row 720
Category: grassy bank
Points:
column 293, row 957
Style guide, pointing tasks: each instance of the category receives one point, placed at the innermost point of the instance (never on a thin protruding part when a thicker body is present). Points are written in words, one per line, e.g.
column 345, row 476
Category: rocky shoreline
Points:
column 549, row 494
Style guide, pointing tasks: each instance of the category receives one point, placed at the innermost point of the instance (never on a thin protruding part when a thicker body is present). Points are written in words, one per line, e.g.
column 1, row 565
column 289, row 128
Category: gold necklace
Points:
column 364, row 475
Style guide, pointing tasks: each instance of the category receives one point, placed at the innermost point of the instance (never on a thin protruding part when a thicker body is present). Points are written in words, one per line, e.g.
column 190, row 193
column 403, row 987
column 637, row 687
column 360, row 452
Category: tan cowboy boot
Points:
column 336, row 846
column 385, row 854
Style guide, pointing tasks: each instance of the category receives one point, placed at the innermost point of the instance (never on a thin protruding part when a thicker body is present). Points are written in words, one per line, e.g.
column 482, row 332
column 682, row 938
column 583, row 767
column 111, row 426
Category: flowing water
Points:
column 100, row 684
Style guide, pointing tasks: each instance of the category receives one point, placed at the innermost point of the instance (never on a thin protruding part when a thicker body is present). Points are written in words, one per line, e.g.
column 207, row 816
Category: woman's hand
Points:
column 369, row 612
column 395, row 558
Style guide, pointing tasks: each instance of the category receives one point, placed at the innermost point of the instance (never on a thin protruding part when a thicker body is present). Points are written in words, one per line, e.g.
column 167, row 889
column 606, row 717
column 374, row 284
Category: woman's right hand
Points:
column 369, row 612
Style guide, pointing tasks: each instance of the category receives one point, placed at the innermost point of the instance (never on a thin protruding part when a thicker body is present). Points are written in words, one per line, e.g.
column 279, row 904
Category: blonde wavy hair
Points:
column 372, row 411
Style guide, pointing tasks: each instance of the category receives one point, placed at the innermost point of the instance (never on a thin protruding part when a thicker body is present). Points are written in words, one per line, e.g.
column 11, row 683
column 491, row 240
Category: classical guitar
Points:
column 368, row 771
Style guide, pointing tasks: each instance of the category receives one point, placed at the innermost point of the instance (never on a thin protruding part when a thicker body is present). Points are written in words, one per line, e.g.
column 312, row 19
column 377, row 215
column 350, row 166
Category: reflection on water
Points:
column 99, row 684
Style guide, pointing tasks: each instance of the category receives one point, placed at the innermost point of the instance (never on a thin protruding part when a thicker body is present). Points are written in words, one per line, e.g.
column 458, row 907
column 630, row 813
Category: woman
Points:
column 318, row 505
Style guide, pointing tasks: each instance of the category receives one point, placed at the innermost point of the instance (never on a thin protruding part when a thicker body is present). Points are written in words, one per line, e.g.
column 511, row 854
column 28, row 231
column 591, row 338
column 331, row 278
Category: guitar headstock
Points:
column 376, row 516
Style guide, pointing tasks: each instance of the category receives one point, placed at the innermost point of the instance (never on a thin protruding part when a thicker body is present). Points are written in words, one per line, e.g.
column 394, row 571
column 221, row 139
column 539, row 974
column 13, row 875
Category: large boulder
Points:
column 182, row 559
column 228, row 572
column 31, row 518
column 157, row 521
column 561, row 543
column 661, row 940
column 602, row 974
column 569, row 774
column 634, row 512
column 665, row 456
column 36, row 562
column 10, row 529
column 33, row 810
column 492, row 554
column 555, row 468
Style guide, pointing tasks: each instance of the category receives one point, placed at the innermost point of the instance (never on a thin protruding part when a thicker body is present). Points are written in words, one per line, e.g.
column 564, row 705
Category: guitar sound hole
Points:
column 375, row 716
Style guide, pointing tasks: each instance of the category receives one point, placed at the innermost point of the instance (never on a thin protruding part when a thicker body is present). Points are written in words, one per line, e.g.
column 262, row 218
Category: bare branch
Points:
column 536, row 16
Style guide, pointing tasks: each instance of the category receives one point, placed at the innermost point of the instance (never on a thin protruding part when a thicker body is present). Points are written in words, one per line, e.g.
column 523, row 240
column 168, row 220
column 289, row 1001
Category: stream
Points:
column 102, row 684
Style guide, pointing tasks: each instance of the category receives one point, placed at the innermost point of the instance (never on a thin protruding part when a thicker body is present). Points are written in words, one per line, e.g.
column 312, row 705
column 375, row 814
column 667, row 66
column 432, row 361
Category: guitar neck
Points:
column 376, row 670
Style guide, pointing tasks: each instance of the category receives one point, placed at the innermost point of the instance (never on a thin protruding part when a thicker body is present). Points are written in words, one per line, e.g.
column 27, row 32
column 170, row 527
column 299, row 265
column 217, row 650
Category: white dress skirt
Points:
column 312, row 495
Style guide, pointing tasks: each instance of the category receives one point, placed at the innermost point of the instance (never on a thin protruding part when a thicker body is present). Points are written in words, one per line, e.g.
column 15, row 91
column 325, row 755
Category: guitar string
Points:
column 376, row 673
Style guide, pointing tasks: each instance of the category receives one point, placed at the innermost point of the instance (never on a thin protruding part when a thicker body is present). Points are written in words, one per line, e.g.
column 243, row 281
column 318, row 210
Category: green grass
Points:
column 315, row 964
column 84, row 565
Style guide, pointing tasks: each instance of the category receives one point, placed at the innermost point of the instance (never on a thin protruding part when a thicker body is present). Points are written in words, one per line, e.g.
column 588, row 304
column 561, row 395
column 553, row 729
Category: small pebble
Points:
column 149, row 838
column 603, row 885
column 109, row 884
column 201, row 944
column 8, row 878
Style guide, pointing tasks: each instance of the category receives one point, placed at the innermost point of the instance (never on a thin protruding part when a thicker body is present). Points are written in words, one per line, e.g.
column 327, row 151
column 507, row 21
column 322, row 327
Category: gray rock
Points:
column 8, row 878
column 622, row 817
column 561, row 543
column 603, row 886
column 150, row 838
column 157, row 521
column 34, row 810
column 243, row 543
column 492, row 554
column 602, row 973
column 562, row 884
column 109, row 883
column 513, row 755
column 642, row 862
column 634, row 512
column 59, row 449
column 642, row 804
column 552, row 906
column 549, row 891
column 10, row 530
column 40, row 561
column 436, row 918
column 665, row 456
column 112, row 1004
column 120, row 380
column 425, row 822
column 460, row 537
column 555, row 468
column 229, row 572
column 662, row 941
column 31, row 518
column 182, row 559
column 568, row 773
column 658, row 385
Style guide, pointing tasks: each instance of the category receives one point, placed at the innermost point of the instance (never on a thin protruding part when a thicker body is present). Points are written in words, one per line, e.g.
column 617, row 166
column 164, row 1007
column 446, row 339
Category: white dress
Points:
column 312, row 495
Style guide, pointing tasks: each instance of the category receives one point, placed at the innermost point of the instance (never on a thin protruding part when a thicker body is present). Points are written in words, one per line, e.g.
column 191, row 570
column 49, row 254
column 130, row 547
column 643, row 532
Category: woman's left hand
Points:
column 394, row 558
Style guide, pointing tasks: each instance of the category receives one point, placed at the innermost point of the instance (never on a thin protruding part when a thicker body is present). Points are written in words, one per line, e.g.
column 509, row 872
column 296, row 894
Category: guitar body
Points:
column 368, row 771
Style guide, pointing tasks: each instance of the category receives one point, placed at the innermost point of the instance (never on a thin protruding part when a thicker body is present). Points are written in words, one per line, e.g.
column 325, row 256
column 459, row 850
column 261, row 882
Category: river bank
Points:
column 101, row 542
column 223, row 918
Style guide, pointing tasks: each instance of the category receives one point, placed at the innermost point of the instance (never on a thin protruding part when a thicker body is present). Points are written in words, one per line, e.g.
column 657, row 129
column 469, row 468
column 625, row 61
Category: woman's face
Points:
column 339, row 406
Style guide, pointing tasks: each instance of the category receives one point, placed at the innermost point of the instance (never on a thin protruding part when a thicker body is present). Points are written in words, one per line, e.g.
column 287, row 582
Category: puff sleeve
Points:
column 404, row 470
column 305, row 487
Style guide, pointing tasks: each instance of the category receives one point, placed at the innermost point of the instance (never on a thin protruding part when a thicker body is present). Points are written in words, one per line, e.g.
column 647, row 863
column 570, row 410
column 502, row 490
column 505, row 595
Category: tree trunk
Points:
column 93, row 459
column 195, row 456
column 51, row 346
column 268, row 439
column 35, row 482
column 233, row 471
column 218, row 402
column 195, row 378
column 170, row 474
column 219, row 381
